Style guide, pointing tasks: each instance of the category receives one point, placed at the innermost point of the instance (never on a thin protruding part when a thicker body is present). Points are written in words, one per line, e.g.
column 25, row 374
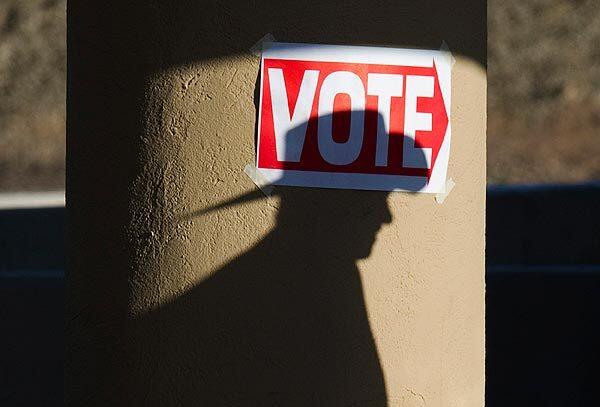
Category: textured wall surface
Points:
column 310, row 297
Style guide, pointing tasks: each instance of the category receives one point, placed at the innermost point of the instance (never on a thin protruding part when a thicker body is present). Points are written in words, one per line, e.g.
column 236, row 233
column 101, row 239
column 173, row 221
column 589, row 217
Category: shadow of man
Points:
column 285, row 323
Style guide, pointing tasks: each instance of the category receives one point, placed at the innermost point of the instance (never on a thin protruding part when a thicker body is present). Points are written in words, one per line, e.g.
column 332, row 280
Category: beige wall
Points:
column 310, row 297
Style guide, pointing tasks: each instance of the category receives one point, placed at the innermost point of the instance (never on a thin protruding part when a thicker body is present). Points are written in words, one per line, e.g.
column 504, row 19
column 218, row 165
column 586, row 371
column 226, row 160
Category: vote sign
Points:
column 354, row 117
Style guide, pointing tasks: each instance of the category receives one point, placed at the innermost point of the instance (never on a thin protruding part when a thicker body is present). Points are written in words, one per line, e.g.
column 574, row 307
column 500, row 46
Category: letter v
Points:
column 290, row 130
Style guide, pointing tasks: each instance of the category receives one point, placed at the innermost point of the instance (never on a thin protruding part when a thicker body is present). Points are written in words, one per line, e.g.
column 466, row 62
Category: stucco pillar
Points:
column 186, row 286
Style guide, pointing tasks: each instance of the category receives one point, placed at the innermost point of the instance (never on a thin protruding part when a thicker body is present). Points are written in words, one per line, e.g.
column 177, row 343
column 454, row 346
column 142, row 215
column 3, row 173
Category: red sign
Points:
column 381, row 123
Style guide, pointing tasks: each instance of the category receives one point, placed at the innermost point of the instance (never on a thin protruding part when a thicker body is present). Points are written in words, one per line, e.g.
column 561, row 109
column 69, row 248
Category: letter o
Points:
column 335, row 83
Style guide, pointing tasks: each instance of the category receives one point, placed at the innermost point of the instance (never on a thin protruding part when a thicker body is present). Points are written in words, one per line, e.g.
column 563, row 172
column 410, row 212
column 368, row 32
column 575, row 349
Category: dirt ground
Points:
column 32, row 88
column 543, row 93
column 564, row 148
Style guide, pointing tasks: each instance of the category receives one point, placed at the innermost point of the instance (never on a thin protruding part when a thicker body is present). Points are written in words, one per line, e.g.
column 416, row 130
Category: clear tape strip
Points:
column 441, row 197
column 258, row 46
column 261, row 182
column 445, row 48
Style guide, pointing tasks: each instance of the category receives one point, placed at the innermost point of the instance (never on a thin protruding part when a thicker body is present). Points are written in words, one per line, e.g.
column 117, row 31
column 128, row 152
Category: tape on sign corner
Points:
column 445, row 48
column 441, row 197
column 261, row 182
column 259, row 46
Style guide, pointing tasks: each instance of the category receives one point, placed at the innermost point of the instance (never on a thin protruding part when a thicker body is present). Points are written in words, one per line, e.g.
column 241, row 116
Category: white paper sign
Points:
column 354, row 117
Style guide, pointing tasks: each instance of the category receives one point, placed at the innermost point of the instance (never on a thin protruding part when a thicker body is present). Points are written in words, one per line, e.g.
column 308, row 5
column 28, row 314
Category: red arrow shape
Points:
column 439, row 122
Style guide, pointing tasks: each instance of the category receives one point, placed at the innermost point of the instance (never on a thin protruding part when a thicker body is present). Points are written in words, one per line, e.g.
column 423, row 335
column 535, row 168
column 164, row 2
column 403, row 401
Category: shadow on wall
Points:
column 324, row 342
column 283, row 324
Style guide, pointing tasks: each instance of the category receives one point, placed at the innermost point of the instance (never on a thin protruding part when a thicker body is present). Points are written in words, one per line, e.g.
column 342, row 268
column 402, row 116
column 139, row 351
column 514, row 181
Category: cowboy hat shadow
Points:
column 283, row 324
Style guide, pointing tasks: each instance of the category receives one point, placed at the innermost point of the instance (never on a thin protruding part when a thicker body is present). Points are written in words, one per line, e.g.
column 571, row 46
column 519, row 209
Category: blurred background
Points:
column 33, row 66
column 543, row 249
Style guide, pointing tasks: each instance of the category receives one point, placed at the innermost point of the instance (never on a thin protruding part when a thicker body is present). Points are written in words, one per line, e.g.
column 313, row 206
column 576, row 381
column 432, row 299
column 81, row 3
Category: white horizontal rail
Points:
column 23, row 200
